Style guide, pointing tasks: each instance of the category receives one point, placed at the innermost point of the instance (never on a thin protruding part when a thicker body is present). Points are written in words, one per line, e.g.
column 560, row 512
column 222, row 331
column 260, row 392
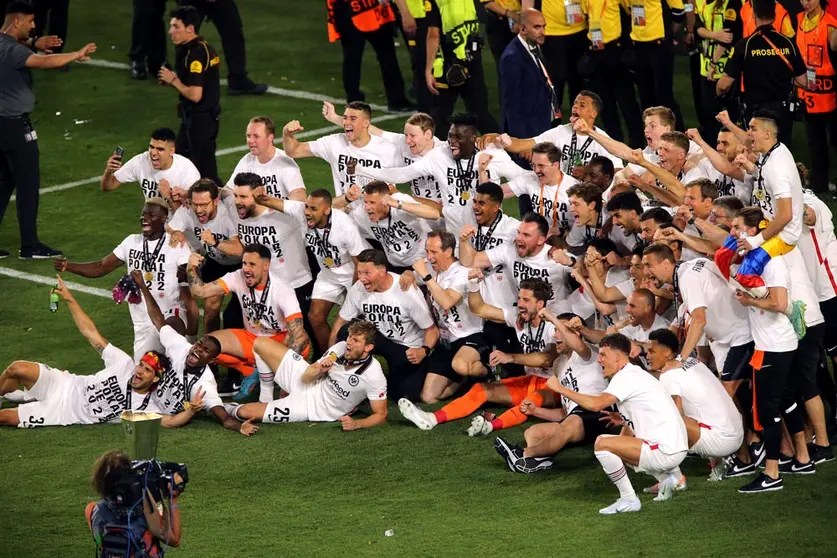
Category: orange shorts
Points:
column 245, row 365
column 522, row 386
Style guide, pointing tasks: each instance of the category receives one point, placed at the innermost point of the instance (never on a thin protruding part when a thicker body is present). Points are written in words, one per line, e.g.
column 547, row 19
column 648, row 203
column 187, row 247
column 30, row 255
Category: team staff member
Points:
column 454, row 63
column 18, row 138
column 414, row 25
column 816, row 38
column 652, row 27
column 768, row 73
column 355, row 23
column 198, row 82
column 611, row 79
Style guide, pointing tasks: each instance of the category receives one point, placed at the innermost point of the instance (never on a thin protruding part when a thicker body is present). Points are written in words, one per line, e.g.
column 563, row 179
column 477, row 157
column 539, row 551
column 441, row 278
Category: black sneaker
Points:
column 757, row 453
column 820, row 454
column 4, row 254
column 794, row 467
column 138, row 70
column 39, row 251
column 739, row 469
column 509, row 452
column 783, row 460
column 763, row 483
column 229, row 386
column 247, row 87
column 531, row 465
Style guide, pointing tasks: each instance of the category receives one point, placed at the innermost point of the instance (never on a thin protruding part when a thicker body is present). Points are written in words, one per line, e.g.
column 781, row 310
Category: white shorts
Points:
column 652, row 460
column 329, row 286
column 719, row 352
column 714, row 443
column 59, row 401
column 294, row 407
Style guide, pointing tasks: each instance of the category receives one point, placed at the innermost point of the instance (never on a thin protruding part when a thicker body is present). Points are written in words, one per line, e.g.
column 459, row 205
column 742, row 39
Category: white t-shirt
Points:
column 335, row 244
column 819, row 249
column 726, row 185
column 497, row 289
column 178, row 349
column 402, row 234
column 651, row 156
column 422, row 187
column 648, row 409
column 400, row 315
column 222, row 228
column 340, row 391
column 638, row 334
column 283, row 235
column 550, row 201
column 458, row 322
column 538, row 266
column 576, row 150
column 182, row 173
column 105, row 390
column 336, row 151
column 703, row 397
column 265, row 313
column 458, row 180
column 772, row 331
column 581, row 376
column 157, row 258
column 700, row 286
column 802, row 288
column 532, row 339
column 778, row 178
column 280, row 175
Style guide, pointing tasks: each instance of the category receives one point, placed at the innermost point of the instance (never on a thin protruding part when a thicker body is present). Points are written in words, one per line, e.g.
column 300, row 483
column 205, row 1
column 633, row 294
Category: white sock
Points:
column 615, row 470
column 16, row 396
column 266, row 376
column 676, row 474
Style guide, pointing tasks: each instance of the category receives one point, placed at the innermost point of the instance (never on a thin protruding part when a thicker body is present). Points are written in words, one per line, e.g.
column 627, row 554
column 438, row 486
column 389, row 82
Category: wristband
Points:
column 400, row 204
column 427, row 278
column 473, row 286
column 756, row 241
column 426, row 350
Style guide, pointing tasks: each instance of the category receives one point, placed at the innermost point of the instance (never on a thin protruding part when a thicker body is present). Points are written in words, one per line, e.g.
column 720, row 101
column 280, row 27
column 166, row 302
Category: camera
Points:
column 156, row 476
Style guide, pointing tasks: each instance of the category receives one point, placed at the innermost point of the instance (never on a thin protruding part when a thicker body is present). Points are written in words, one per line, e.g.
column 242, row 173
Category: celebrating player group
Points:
column 652, row 303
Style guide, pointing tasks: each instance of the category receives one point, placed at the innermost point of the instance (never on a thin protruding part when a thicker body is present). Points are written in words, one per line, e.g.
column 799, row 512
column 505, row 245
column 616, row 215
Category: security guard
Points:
column 19, row 153
column 454, row 34
column 718, row 25
column 413, row 15
column 199, row 84
column 769, row 65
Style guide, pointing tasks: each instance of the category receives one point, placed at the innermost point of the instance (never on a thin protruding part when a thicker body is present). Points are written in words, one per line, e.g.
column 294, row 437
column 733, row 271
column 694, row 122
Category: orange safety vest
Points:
column 367, row 16
column 813, row 46
column 748, row 19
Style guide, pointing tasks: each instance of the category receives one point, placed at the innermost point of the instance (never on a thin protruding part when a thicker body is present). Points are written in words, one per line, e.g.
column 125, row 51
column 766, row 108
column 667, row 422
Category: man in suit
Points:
column 528, row 99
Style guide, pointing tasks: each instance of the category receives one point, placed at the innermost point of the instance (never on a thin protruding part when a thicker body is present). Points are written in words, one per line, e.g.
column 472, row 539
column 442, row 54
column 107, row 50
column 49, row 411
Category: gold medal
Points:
column 466, row 195
column 148, row 275
column 328, row 262
column 759, row 194
column 258, row 324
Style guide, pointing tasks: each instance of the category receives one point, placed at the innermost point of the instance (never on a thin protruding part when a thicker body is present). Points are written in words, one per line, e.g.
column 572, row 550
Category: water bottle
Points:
column 496, row 370
column 742, row 234
column 53, row 301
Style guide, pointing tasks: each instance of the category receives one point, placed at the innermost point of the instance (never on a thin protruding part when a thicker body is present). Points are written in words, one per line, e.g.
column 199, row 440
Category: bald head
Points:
column 532, row 26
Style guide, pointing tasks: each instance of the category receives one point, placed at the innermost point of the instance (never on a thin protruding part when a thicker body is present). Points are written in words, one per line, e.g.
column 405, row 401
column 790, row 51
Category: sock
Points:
column 17, row 396
column 462, row 406
column 789, row 309
column 513, row 416
column 615, row 470
column 676, row 474
column 266, row 376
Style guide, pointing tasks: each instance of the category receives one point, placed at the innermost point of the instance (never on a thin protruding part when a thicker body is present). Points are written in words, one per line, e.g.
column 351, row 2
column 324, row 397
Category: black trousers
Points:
column 774, row 400
column 404, row 379
column 196, row 140
column 818, row 126
column 20, row 170
column 148, row 33
column 499, row 34
column 57, row 13
column 382, row 41
column 503, row 338
column 303, row 296
column 712, row 105
column 417, row 47
column 475, row 96
column 783, row 116
column 655, row 76
column 696, row 81
column 615, row 85
column 224, row 15
column 561, row 54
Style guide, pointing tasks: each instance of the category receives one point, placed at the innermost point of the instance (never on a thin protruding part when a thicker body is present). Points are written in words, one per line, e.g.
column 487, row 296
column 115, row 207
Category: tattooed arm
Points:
column 199, row 288
column 299, row 341
column 83, row 322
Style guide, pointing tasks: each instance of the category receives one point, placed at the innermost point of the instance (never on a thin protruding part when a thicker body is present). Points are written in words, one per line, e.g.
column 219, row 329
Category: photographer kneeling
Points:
column 117, row 526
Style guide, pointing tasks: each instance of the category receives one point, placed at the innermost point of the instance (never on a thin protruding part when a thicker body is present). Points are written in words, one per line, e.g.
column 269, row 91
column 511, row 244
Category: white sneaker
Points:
column 655, row 489
column 479, row 427
column 422, row 419
column 666, row 489
column 718, row 467
column 622, row 505
column 17, row 396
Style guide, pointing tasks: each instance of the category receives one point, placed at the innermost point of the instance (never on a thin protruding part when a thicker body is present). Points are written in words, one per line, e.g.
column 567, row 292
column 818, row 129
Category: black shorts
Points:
column 593, row 426
column 829, row 312
column 806, row 360
column 441, row 361
column 737, row 365
column 210, row 270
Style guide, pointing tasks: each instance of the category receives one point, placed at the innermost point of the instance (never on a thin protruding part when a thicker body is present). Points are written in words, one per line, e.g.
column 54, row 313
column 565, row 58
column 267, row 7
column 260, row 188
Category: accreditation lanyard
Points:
column 461, row 181
column 592, row 235
column 574, row 152
column 760, row 165
column 323, row 242
column 534, row 342
column 806, row 45
column 259, row 309
column 554, row 202
column 482, row 240
column 148, row 259
column 596, row 32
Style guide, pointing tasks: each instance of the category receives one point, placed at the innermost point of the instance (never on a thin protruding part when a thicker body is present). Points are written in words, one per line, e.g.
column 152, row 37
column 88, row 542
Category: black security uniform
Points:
column 56, row 12
column 19, row 154
column 197, row 64
column 768, row 78
column 148, row 37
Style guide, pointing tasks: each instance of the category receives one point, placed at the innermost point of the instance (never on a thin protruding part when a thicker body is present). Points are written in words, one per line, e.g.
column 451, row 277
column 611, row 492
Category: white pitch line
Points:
column 218, row 153
column 46, row 280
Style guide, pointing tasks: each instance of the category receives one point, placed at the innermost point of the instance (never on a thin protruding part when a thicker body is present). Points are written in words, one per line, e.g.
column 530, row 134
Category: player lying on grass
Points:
column 537, row 337
column 328, row 390
column 576, row 369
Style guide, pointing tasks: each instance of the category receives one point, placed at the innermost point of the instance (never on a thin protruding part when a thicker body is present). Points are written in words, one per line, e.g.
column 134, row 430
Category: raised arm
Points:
column 91, row 270
column 480, row 307
column 593, row 403
column 196, row 285
column 293, row 147
column 83, row 322
column 151, row 305
column 300, row 343
column 429, row 210
column 50, row 61
column 445, row 298
column 571, row 338
column 720, row 162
